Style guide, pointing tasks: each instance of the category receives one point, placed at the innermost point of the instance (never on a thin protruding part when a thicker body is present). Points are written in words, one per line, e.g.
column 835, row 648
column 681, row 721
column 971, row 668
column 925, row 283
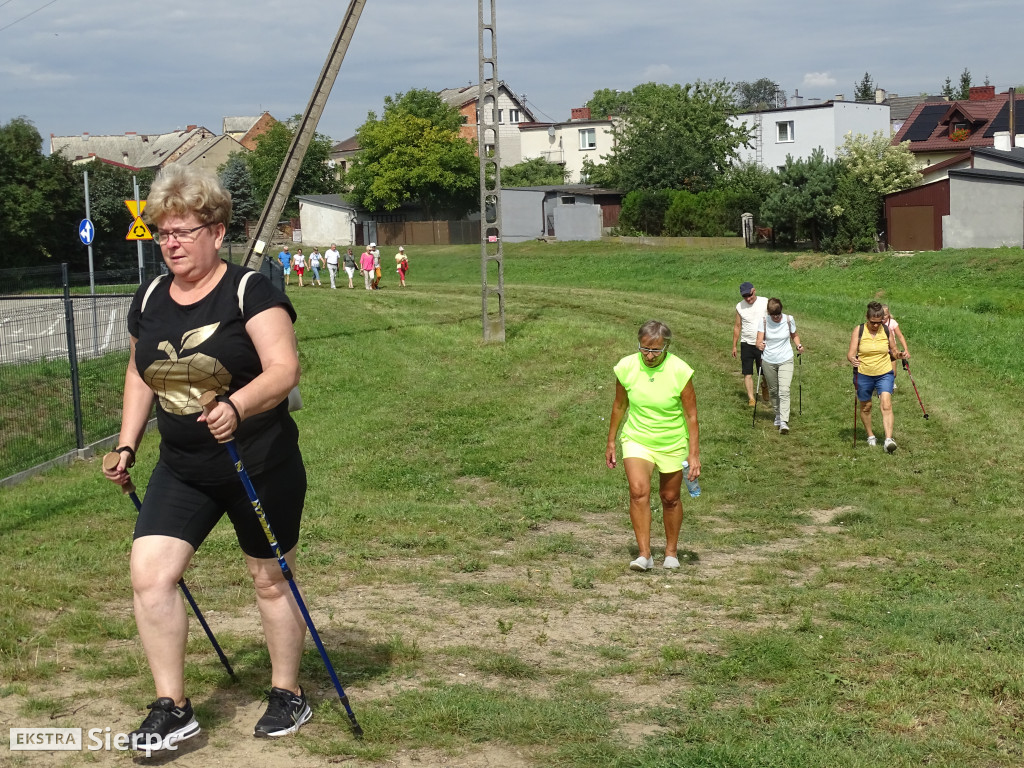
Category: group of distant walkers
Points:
column 368, row 264
column 656, row 405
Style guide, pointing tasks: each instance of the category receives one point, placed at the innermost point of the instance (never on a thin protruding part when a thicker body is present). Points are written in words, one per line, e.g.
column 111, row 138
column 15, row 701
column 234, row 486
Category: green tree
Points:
column 608, row 103
column 869, row 168
column 536, row 172
column 109, row 187
column 41, row 201
column 865, row 89
column 643, row 211
column 414, row 153
column 675, row 137
column 801, row 206
column 947, row 90
column 235, row 176
column 745, row 187
column 760, row 94
column 877, row 164
column 965, row 85
column 315, row 176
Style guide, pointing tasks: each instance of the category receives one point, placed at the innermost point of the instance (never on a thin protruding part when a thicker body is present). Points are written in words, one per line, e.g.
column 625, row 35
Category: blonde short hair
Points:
column 183, row 190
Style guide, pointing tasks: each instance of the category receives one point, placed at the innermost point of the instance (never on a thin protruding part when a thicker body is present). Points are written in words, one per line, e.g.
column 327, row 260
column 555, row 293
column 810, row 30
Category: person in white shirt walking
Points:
column 749, row 314
column 332, row 257
column 773, row 340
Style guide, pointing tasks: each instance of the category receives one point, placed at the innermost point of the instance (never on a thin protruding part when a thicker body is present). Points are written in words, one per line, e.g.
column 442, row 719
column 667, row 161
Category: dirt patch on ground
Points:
column 537, row 617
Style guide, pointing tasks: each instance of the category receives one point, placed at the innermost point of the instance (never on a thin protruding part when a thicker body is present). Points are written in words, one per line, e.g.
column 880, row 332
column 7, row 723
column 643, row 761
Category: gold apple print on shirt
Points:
column 180, row 379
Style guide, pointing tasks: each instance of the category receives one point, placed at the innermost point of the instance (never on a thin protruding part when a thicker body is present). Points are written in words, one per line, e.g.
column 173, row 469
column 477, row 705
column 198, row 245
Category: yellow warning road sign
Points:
column 138, row 229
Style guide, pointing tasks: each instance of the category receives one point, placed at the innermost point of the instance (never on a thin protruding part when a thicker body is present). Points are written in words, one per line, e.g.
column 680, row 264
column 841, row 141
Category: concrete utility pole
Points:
column 282, row 188
column 489, row 149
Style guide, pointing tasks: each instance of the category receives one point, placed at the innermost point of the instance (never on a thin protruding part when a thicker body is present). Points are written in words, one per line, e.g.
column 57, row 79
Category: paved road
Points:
column 34, row 329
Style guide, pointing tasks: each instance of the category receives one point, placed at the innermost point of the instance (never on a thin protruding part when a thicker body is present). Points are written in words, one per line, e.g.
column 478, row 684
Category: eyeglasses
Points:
column 181, row 235
column 649, row 351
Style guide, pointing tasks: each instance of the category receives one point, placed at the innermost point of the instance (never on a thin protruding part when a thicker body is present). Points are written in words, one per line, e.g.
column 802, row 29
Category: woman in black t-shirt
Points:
column 209, row 325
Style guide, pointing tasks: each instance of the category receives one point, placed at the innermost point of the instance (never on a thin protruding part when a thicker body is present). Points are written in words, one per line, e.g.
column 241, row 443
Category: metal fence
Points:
column 63, row 352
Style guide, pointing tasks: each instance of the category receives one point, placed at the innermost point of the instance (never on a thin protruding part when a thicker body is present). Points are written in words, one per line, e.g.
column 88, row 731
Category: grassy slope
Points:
column 894, row 640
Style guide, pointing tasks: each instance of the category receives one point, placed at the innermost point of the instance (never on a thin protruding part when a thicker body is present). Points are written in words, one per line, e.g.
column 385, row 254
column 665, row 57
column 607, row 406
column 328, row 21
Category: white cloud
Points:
column 819, row 80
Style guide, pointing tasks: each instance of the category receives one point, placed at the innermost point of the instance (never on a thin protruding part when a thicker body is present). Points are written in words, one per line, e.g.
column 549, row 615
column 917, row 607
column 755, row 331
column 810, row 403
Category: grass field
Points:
column 465, row 549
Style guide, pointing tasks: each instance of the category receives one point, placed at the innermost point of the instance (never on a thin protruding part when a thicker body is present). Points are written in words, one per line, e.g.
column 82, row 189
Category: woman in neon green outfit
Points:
column 656, row 389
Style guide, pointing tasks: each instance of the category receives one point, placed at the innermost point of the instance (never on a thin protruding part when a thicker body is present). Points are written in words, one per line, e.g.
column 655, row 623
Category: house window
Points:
column 785, row 129
column 568, row 200
column 588, row 138
column 499, row 114
column 513, row 116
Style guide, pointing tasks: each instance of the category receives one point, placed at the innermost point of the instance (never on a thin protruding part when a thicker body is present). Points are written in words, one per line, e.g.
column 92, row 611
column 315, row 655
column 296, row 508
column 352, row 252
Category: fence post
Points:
column 69, row 325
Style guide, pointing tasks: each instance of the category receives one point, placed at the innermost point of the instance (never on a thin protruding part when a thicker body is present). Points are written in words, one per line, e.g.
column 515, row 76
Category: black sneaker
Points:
column 285, row 713
column 164, row 727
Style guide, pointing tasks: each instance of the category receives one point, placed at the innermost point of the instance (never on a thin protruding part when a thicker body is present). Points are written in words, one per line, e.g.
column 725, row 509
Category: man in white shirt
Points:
column 332, row 256
column 750, row 312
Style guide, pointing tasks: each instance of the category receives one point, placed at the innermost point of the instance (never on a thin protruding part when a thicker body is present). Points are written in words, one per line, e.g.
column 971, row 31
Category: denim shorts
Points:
column 871, row 385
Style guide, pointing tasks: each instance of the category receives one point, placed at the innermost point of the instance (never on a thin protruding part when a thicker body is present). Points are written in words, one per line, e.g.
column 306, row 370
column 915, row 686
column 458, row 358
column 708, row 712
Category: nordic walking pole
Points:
column 757, row 392
column 906, row 367
column 800, row 380
column 110, row 462
column 854, row 407
column 207, row 400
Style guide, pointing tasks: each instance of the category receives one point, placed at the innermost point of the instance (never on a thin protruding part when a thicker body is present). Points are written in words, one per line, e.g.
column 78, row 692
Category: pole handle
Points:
column 110, row 461
column 207, row 400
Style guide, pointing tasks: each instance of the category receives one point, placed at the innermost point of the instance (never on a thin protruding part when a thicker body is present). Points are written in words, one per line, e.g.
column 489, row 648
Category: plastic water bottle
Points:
column 691, row 485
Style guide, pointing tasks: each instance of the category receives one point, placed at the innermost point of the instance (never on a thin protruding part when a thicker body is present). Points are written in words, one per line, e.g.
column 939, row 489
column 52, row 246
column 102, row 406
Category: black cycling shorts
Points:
column 189, row 511
column 750, row 357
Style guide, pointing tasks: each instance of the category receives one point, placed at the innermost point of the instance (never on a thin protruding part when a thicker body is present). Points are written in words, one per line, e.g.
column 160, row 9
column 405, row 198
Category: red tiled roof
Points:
column 979, row 113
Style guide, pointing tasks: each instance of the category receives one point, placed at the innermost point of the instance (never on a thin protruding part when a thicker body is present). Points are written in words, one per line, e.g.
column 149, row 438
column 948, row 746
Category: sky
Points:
column 112, row 66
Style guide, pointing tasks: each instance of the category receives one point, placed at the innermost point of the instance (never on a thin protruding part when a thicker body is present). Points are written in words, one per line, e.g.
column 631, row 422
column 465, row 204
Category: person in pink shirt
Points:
column 897, row 335
column 366, row 265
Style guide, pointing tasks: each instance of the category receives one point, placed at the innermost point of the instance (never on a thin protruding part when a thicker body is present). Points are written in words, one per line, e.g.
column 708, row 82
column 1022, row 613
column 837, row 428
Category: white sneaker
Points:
column 642, row 564
column 872, row 441
column 890, row 445
column 671, row 563
column 783, row 428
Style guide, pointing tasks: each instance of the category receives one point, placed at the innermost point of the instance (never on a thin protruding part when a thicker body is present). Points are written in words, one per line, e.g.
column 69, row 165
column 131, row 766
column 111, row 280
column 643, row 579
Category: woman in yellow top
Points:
column 871, row 354
column 656, row 388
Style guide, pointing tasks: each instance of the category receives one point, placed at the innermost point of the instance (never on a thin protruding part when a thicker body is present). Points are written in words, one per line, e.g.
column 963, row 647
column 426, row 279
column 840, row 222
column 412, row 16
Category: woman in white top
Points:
column 773, row 339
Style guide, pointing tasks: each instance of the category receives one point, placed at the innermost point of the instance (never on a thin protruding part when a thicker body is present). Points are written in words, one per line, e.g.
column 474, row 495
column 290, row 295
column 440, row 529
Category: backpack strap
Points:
column 241, row 291
column 149, row 292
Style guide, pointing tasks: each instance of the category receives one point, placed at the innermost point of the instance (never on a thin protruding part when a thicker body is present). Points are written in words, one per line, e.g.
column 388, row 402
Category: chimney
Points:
column 982, row 93
column 580, row 113
column 1012, row 110
column 131, row 134
column 798, row 100
column 838, row 97
column 191, row 128
column 85, row 136
column 880, row 95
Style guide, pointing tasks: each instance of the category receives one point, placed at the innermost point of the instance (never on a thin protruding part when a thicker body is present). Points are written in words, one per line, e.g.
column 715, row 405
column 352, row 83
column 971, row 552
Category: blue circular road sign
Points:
column 86, row 232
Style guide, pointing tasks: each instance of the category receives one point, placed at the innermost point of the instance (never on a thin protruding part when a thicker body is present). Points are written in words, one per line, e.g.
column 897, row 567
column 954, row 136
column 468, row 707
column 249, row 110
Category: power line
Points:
column 33, row 13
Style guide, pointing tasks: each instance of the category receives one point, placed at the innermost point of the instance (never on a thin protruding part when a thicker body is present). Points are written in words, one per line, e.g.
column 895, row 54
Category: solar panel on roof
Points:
column 1001, row 122
column 925, row 123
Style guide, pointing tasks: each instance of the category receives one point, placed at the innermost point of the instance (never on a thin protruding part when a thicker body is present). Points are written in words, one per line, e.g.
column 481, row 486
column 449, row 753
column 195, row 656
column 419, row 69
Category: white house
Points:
column 798, row 130
column 326, row 219
column 568, row 143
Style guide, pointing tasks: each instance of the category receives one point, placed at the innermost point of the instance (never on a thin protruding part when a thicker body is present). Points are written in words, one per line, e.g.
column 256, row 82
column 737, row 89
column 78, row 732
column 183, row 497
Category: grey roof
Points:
column 467, row 94
column 986, row 175
column 328, row 201
column 1014, row 155
column 138, row 150
column 239, row 124
column 576, row 189
column 900, row 107
column 207, row 143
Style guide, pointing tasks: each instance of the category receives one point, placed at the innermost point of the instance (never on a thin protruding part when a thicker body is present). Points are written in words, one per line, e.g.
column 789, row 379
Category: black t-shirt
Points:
column 183, row 351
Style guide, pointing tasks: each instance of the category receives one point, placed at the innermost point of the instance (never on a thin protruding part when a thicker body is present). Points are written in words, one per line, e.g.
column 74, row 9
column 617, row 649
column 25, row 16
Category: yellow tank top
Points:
column 874, row 353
